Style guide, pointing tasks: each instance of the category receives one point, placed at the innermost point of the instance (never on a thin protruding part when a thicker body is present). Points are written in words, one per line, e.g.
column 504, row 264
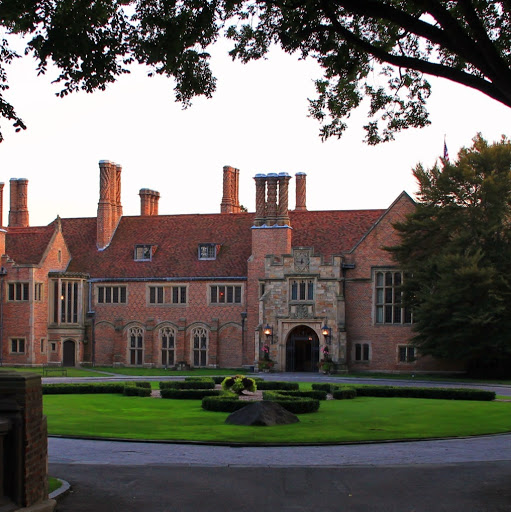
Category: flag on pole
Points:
column 446, row 152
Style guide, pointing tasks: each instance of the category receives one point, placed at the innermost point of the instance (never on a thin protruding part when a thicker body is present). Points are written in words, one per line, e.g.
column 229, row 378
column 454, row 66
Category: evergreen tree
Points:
column 455, row 251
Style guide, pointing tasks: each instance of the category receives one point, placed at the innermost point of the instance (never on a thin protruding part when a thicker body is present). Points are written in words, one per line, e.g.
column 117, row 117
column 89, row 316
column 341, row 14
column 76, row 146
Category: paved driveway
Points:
column 457, row 475
column 462, row 475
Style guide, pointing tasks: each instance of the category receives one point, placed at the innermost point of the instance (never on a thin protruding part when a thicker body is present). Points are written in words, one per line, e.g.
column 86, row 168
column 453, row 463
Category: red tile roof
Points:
column 177, row 238
column 333, row 231
column 27, row 245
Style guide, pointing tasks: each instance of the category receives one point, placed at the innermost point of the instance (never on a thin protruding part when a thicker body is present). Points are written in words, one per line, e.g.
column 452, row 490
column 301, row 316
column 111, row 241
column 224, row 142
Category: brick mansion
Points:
column 205, row 290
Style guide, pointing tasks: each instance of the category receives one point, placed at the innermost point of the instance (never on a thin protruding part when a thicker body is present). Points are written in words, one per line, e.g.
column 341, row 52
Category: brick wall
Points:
column 383, row 339
column 222, row 321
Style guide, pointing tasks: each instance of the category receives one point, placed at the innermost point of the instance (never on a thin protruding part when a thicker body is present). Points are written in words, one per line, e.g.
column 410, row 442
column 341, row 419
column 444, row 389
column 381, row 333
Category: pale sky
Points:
column 257, row 121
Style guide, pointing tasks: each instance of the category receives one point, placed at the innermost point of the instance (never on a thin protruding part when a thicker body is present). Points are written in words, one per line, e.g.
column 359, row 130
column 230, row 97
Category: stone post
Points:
column 25, row 443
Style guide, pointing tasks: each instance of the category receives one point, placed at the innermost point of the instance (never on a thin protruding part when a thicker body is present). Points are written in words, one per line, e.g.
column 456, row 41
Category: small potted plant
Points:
column 265, row 364
column 326, row 365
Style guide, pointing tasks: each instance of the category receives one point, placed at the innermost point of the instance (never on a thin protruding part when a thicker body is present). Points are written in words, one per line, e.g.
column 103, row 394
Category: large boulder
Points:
column 263, row 413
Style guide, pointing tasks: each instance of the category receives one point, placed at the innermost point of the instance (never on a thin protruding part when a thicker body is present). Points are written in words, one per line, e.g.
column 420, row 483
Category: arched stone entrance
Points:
column 302, row 350
column 68, row 353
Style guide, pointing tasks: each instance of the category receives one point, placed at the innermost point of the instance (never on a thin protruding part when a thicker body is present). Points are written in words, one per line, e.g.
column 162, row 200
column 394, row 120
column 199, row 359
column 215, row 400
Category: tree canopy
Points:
column 93, row 42
column 455, row 251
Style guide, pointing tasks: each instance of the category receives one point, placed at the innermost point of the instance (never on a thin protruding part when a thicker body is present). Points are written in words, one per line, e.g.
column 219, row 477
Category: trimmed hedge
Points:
column 345, row 393
column 83, row 388
column 296, row 405
column 190, row 394
column 318, row 395
column 189, row 384
column 199, row 379
column 413, row 392
column 277, row 385
column 223, row 403
column 137, row 391
column 323, row 386
column 142, row 384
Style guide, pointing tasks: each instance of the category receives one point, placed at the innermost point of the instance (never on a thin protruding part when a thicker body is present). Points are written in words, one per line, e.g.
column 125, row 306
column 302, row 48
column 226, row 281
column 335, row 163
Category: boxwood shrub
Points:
column 189, row 384
column 414, row 392
column 200, row 379
column 277, row 385
column 296, row 405
column 323, row 386
column 189, row 394
column 142, row 384
column 317, row 394
column 137, row 391
column 345, row 393
column 223, row 403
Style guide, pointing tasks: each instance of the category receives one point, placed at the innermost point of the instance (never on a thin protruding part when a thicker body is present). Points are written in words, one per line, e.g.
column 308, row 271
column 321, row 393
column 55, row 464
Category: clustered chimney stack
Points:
column 272, row 199
column 148, row 201
column 301, row 191
column 109, row 206
column 230, row 200
column 18, row 214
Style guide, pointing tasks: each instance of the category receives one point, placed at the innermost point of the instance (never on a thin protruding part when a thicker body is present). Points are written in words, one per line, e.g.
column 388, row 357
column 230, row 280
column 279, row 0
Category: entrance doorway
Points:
column 302, row 350
column 68, row 353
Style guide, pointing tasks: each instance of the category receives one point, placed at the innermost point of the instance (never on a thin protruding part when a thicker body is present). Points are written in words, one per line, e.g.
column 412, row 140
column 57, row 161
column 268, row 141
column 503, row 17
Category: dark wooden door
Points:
column 302, row 350
column 68, row 355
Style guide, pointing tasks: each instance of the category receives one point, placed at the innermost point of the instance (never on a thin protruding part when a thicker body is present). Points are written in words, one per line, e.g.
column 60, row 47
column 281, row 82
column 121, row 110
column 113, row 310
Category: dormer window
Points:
column 207, row 251
column 143, row 252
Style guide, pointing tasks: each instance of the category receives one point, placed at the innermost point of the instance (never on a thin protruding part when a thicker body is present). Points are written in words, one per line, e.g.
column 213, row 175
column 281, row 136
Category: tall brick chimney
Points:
column 272, row 199
column 109, row 205
column 230, row 200
column 155, row 199
column 283, row 206
column 18, row 214
column 118, row 205
column 149, row 200
column 301, row 191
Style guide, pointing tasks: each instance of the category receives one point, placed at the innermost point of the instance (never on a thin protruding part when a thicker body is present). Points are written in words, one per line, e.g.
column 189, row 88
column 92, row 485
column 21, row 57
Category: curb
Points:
column 61, row 491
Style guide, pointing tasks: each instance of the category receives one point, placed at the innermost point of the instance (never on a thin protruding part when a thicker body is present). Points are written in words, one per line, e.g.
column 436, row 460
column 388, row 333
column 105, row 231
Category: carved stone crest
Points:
column 301, row 311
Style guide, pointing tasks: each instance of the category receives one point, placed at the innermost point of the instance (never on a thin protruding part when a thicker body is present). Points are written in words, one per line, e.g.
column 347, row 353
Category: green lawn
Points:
column 71, row 372
column 423, row 377
column 156, row 372
column 362, row 419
